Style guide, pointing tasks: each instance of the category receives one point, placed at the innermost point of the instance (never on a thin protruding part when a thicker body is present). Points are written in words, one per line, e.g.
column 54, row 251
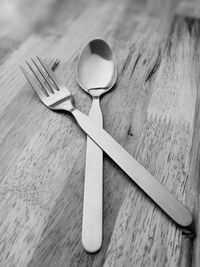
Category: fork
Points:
column 54, row 94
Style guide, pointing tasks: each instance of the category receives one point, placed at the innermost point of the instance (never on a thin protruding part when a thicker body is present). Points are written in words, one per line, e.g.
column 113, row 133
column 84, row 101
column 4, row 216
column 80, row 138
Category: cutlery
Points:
column 56, row 96
column 96, row 73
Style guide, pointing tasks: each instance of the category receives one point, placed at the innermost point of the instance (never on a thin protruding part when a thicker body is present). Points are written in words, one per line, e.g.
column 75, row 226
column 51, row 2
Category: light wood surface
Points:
column 153, row 112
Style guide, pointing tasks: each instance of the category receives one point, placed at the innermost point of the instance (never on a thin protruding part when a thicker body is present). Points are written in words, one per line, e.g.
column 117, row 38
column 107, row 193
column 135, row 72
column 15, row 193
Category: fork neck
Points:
column 65, row 105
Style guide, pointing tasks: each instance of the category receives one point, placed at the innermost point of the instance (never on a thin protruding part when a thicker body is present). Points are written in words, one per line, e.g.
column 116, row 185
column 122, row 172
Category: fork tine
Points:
column 31, row 81
column 42, row 74
column 50, row 73
column 39, row 79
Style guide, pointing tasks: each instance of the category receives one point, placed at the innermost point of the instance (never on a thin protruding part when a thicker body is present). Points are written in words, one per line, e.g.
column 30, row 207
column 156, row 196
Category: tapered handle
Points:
column 150, row 185
column 93, row 188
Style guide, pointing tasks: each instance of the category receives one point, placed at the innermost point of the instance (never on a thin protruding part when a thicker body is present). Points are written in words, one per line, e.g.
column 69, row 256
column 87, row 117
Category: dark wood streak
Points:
column 127, row 61
column 136, row 62
column 155, row 67
column 55, row 64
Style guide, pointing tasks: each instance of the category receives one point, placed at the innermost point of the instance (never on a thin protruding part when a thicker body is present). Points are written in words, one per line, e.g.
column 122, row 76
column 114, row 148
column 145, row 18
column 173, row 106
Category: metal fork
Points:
column 56, row 96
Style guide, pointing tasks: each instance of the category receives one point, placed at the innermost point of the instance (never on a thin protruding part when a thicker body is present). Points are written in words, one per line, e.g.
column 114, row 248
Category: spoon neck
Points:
column 95, row 111
column 95, row 102
column 96, row 99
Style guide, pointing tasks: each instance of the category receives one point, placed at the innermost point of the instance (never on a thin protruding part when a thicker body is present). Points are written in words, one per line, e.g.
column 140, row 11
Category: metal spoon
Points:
column 96, row 74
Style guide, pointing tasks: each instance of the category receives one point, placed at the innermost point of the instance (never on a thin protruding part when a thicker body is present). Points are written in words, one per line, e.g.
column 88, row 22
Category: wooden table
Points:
column 153, row 112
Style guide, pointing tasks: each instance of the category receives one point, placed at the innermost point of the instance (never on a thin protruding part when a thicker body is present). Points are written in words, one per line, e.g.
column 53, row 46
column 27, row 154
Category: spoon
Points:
column 96, row 74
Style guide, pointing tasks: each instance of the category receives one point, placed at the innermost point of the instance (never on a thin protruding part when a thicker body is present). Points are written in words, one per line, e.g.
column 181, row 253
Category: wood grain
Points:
column 153, row 112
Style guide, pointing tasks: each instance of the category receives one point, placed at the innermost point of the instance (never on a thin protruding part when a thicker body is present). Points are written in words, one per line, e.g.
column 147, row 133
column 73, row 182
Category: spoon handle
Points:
column 150, row 185
column 93, row 186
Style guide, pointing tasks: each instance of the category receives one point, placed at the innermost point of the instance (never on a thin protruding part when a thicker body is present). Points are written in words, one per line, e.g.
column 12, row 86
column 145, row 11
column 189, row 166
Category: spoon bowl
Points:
column 96, row 69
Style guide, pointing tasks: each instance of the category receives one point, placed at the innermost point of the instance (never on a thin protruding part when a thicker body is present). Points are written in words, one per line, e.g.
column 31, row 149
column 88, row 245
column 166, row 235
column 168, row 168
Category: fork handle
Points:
column 93, row 186
column 150, row 185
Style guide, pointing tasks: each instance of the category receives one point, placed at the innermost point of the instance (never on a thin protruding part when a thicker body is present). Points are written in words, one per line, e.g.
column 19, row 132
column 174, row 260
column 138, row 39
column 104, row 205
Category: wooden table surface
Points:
column 153, row 112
